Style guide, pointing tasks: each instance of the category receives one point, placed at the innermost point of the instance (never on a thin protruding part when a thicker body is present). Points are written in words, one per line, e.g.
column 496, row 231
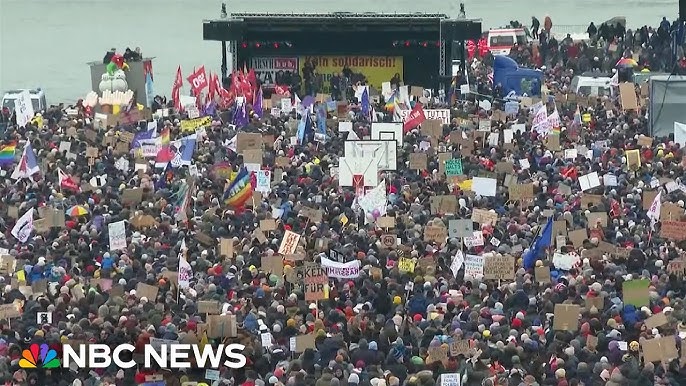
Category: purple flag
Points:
column 240, row 117
column 257, row 107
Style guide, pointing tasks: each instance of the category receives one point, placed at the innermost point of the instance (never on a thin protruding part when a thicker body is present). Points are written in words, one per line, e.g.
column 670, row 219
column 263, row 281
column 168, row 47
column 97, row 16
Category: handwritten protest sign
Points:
column 499, row 268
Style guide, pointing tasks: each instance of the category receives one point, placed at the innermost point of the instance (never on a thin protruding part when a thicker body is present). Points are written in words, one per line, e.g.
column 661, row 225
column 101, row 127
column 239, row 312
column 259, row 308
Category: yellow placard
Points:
column 195, row 124
column 406, row 265
column 377, row 69
column 465, row 185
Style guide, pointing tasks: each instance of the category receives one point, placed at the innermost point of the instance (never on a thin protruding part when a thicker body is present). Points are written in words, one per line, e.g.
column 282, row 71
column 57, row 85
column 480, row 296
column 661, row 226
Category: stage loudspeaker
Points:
column 461, row 29
column 223, row 30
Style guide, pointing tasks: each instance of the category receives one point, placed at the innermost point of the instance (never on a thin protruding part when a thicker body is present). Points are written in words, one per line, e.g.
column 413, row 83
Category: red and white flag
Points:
column 415, row 118
column 176, row 89
column 654, row 211
column 67, row 182
column 198, row 80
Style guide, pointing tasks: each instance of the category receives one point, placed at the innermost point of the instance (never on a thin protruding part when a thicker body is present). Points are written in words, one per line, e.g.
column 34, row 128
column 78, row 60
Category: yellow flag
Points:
column 204, row 341
column 21, row 276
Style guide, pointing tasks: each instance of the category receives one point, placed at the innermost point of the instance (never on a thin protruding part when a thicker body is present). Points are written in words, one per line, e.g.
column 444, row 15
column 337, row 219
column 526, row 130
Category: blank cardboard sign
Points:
column 566, row 317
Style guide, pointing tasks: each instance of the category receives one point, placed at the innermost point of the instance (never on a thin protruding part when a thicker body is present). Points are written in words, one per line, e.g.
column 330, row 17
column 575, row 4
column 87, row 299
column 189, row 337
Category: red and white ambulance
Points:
column 501, row 40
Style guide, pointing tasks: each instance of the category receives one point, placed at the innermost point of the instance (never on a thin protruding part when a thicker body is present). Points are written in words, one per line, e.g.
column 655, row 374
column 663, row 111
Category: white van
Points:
column 595, row 86
column 501, row 40
column 37, row 99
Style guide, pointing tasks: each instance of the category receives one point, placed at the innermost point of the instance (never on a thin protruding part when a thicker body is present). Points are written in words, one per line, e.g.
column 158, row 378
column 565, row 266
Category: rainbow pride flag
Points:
column 7, row 153
column 240, row 190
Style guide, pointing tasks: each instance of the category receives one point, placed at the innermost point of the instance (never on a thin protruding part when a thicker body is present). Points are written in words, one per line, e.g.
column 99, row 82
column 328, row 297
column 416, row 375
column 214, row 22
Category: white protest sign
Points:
column 442, row 114
column 476, row 240
column 264, row 181
column 23, row 108
column 117, row 232
column 473, row 266
column 589, row 181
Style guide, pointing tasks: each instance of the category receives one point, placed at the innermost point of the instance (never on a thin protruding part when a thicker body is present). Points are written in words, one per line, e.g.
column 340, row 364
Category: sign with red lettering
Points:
column 198, row 80
column 415, row 118
column 271, row 70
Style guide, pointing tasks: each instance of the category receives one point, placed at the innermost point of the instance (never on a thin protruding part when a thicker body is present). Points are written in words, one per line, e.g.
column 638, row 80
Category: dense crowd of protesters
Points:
column 370, row 331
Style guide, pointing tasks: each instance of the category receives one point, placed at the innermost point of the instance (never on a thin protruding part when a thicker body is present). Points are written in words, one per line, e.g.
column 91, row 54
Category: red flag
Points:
column 282, row 90
column 569, row 172
column 252, row 78
column 198, row 80
column 415, row 118
column 176, row 89
column 67, row 182
column 212, row 89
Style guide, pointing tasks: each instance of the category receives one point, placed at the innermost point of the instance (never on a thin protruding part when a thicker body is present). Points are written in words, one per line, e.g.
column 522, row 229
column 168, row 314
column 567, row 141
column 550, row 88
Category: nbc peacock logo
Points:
column 39, row 357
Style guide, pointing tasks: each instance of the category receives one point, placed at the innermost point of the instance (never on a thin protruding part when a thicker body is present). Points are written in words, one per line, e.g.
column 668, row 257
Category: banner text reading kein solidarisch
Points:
column 353, row 61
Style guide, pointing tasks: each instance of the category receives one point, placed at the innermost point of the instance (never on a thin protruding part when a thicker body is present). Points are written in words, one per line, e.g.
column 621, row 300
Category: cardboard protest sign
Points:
column 596, row 301
column 315, row 215
column 418, row 161
column 542, row 274
column 226, row 247
column 272, row 264
column 459, row 347
column 577, row 237
column 385, row 222
column 220, row 326
column 301, row 343
column 9, row 311
column 566, row 317
column 248, row 141
column 435, row 234
column 590, row 200
column 673, row 230
column 268, row 225
column 657, row 320
column 315, row 282
column 484, row 216
column 627, row 96
column 132, row 196
column 659, row 349
column 635, row 292
column 252, row 156
column 591, row 342
column 389, row 241
column 499, row 268
column 671, row 212
column 443, row 204
column 209, row 307
column 146, row 290
column 406, row 265
column 595, row 218
column 437, row 354
column 521, row 192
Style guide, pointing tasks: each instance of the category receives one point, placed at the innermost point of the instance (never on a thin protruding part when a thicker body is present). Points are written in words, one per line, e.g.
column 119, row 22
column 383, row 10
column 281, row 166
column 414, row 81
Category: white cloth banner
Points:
column 22, row 229
column 185, row 273
column 117, row 231
column 264, row 181
column 334, row 269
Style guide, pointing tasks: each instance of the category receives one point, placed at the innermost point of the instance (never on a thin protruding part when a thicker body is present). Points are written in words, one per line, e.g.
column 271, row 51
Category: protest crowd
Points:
column 485, row 246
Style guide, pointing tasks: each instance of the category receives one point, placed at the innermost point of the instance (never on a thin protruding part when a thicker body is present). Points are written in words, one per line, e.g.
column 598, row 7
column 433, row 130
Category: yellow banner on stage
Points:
column 377, row 69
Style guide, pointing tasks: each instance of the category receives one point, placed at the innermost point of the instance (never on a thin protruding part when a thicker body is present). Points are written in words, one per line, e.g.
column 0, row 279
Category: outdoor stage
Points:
column 417, row 46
